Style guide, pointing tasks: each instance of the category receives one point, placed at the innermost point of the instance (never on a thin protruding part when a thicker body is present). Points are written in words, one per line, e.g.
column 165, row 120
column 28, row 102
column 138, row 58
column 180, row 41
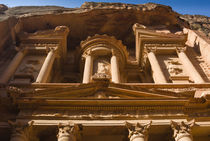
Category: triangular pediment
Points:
column 103, row 91
column 160, row 40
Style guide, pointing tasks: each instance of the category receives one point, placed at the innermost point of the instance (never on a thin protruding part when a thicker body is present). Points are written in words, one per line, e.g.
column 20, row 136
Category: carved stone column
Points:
column 138, row 132
column 46, row 67
column 182, row 131
column 22, row 132
column 88, row 67
column 158, row 75
column 115, row 68
column 67, row 133
column 194, row 74
column 18, row 135
column 12, row 66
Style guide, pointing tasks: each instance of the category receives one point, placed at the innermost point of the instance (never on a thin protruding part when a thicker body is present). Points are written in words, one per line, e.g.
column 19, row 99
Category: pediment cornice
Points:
column 103, row 90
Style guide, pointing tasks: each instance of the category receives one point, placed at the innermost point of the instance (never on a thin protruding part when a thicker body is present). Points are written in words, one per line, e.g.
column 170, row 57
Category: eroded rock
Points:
column 3, row 8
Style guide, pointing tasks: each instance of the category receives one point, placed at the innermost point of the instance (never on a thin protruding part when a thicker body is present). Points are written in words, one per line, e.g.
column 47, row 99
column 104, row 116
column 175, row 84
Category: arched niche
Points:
column 104, row 58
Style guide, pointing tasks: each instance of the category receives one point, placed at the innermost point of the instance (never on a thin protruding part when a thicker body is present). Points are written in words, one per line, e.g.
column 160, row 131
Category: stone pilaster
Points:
column 191, row 70
column 10, row 70
column 182, row 131
column 115, row 67
column 46, row 67
column 138, row 132
column 88, row 67
column 67, row 132
column 158, row 75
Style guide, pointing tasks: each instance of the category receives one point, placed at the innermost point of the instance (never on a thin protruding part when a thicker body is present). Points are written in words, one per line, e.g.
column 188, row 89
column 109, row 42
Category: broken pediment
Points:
column 161, row 41
column 103, row 90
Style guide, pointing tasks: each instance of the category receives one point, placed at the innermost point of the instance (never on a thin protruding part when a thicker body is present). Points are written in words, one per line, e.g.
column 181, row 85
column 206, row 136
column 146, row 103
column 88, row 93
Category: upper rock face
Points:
column 3, row 8
column 113, row 19
column 198, row 22
column 101, row 5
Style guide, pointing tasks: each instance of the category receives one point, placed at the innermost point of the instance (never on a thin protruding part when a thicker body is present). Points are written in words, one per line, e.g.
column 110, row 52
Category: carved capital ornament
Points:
column 138, row 130
column 182, row 129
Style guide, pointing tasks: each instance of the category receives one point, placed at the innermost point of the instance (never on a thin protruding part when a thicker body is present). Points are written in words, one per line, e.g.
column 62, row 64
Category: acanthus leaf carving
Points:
column 138, row 130
column 182, row 129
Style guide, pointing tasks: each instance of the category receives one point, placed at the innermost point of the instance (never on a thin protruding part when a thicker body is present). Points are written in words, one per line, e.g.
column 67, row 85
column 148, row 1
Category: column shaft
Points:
column 185, row 138
column 66, row 138
column 137, row 138
column 115, row 69
column 18, row 137
column 46, row 67
column 88, row 69
column 158, row 75
column 12, row 67
column 190, row 68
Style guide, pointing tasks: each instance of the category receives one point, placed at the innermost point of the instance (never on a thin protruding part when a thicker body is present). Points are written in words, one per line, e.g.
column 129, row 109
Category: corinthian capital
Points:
column 182, row 129
column 68, row 131
column 87, row 53
column 138, row 130
column 151, row 49
column 181, row 49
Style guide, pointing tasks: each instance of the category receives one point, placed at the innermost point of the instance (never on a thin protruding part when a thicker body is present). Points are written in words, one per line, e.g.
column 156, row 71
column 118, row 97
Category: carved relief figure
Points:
column 103, row 69
column 174, row 68
column 30, row 67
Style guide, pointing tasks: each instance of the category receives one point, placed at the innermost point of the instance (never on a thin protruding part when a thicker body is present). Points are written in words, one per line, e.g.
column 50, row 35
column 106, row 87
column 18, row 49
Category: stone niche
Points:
column 28, row 70
column 173, row 68
column 104, row 59
column 102, row 68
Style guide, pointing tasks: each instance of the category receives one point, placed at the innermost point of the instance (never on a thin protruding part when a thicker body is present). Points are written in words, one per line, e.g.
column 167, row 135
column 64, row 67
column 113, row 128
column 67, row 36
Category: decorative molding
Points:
column 104, row 42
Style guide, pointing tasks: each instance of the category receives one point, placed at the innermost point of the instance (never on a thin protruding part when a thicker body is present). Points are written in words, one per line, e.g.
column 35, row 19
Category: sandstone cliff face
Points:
column 198, row 22
column 115, row 19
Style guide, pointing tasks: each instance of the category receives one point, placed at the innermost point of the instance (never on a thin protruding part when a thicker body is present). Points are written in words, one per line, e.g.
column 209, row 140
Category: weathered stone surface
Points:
column 126, row 50
column 3, row 8
column 198, row 22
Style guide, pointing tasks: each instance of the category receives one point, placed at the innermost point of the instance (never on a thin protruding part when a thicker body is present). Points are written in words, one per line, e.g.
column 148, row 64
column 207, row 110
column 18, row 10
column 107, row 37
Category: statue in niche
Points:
column 30, row 67
column 103, row 70
column 174, row 68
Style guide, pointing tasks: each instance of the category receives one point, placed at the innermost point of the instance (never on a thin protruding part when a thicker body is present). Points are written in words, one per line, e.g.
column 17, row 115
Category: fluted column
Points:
column 67, row 133
column 194, row 74
column 158, row 75
column 88, row 67
column 46, row 67
column 12, row 66
column 182, row 131
column 138, row 132
column 115, row 68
